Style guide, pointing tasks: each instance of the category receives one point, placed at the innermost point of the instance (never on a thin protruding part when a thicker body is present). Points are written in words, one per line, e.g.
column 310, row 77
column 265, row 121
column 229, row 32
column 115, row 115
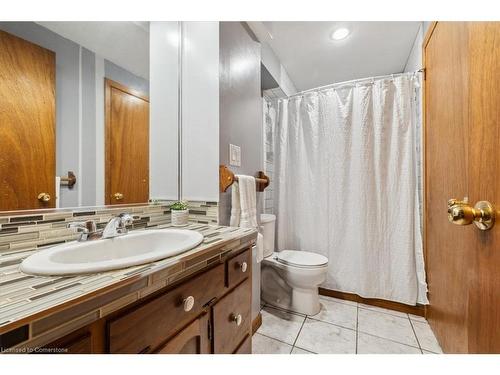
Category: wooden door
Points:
column 127, row 145
column 462, row 159
column 27, row 124
column 484, row 184
column 193, row 339
column 446, row 167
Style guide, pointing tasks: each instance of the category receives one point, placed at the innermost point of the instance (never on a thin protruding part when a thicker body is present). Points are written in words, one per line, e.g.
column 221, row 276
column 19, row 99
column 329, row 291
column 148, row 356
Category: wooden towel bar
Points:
column 227, row 178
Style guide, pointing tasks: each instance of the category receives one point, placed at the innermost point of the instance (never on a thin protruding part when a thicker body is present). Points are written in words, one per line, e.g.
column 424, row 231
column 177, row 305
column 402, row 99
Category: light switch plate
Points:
column 235, row 155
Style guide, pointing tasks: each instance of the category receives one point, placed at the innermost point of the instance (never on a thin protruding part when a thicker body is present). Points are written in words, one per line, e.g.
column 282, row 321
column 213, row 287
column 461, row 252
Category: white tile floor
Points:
column 343, row 327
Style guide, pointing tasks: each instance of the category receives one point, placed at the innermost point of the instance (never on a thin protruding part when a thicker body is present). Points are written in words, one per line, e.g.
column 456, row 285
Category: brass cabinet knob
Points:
column 118, row 196
column 237, row 319
column 188, row 303
column 44, row 197
column 482, row 214
column 243, row 267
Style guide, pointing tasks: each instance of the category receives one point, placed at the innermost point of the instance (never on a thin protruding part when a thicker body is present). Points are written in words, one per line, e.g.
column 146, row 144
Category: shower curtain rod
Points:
column 354, row 81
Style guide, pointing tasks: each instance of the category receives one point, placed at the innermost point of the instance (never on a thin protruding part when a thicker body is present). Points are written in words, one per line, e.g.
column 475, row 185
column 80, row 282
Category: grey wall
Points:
column 79, row 90
column 89, row 133
column 414, row 61
column 240, row 104
column 118, row 74
column 240, row 116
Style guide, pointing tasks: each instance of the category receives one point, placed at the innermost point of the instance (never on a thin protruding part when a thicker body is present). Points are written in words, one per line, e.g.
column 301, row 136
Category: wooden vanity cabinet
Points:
column 194, row 339
column 144, row 328
column 208, row 313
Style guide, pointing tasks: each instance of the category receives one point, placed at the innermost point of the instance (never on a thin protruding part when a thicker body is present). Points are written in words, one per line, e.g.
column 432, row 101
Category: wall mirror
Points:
column 88, row 113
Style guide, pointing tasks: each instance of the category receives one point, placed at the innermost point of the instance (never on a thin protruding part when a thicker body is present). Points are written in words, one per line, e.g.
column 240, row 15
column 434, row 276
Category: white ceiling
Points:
column 313, row 59
column 124, row 43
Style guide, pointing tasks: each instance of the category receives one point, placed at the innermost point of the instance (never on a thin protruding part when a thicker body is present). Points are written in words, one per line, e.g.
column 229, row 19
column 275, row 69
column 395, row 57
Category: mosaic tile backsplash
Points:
column 28, row 231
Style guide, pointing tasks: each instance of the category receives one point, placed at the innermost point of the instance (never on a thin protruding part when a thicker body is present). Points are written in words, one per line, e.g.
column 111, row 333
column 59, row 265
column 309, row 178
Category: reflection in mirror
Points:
column 75, row 114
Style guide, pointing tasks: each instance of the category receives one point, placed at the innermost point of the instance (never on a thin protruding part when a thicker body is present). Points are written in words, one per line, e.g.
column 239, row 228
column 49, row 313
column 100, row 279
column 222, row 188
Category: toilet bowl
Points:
column 290, row 278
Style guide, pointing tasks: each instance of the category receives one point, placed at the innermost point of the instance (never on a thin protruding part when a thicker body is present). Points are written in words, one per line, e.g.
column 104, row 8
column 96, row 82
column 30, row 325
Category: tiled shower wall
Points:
column 20, row 232
column 269, row 156
column 270, row 106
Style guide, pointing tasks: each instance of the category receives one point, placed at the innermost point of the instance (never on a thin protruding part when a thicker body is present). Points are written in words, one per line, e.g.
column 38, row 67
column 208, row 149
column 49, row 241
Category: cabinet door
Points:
column 193, row 339
column 78, row 342
column 232, row 319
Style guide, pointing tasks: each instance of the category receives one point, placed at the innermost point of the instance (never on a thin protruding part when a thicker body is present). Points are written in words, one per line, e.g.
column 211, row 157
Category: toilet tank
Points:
column 268, row 222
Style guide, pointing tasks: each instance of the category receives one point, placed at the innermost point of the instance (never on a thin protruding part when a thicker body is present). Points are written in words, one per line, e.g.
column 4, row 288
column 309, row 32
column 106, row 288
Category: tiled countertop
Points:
column 27, row 300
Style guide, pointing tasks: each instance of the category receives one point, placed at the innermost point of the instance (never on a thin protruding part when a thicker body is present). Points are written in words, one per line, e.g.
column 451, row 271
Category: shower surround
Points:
column 346, row 180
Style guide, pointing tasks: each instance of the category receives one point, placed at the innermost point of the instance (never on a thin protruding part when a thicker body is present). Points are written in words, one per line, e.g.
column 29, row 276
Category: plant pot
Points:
column 180, row 217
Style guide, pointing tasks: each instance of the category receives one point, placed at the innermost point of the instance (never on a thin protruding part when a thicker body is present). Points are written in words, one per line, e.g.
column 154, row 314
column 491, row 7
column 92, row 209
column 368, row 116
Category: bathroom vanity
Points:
column 196, row 302
column 208, row 313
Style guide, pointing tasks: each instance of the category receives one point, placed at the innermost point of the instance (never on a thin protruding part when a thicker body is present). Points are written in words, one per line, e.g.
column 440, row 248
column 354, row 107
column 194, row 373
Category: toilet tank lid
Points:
column 267, row 218
column 301, row 258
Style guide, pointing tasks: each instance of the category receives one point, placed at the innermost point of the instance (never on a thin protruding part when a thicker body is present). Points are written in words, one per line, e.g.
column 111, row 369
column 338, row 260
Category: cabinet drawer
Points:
column 143, row 329
column 238, row 268
column 232, row 319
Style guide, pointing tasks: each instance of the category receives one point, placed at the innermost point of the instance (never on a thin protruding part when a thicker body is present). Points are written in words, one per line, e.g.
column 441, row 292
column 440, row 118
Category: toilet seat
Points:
column 301, row 259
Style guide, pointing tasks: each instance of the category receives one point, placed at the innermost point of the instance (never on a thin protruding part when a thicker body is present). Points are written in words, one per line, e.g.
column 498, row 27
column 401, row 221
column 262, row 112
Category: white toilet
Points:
column 290, row 278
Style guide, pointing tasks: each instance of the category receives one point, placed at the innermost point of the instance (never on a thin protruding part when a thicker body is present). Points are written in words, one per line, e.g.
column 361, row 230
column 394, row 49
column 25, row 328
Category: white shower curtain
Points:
column 346, row 178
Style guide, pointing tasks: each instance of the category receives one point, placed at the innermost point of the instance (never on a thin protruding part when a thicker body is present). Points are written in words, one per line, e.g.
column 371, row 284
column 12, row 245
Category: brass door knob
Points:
column 482, row 214
column 44, row 197
column 118, row 196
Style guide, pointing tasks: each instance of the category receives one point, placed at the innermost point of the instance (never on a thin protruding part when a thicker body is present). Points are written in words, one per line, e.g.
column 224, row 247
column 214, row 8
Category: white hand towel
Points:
column 244, row 208
column 235, row 205
column 248, row 201
column 244, row 203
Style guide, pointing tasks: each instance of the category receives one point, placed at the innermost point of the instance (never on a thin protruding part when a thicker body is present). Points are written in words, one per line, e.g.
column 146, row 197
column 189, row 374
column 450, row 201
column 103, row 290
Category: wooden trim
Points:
column 396, row 306
column 107, row 134
column 126, row 89
column 428, row 35
column 423, row 144
column 256, row 323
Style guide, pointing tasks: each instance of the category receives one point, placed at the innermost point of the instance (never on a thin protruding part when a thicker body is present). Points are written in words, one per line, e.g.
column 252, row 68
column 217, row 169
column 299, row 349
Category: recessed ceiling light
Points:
column 340, row 33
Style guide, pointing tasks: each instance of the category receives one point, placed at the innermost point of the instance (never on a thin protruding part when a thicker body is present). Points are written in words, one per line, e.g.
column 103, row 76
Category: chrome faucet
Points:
column 86, row 229
column 117, row 226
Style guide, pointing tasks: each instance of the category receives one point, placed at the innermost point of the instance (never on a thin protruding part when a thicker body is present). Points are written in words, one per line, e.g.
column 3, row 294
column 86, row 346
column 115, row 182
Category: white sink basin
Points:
column 128, row 250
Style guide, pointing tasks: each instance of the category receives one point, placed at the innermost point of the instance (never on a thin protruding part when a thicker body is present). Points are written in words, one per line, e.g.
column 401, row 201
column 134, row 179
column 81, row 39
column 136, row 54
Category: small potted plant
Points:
column 180, row 213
